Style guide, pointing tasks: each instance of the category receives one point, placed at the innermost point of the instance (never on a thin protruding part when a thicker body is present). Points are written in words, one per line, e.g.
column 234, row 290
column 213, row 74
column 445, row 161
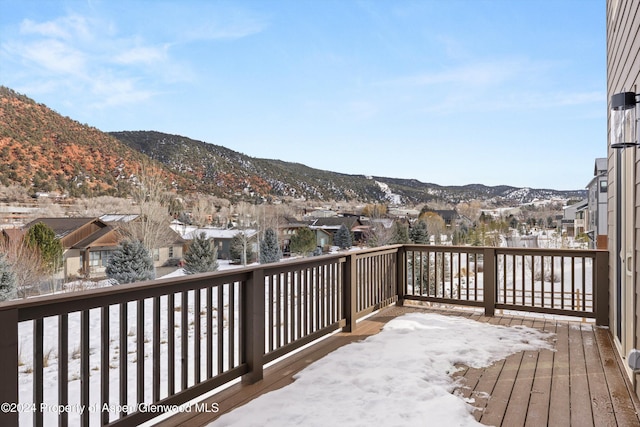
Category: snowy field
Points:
column 50, row 354
column 399, row 377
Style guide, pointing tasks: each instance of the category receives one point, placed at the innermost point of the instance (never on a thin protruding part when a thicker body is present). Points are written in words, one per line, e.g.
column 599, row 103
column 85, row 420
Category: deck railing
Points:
column 125, row 354
column 552, row 281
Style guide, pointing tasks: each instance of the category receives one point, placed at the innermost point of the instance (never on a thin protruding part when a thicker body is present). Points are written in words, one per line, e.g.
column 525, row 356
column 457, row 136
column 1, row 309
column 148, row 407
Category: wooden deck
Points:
column 579, row 384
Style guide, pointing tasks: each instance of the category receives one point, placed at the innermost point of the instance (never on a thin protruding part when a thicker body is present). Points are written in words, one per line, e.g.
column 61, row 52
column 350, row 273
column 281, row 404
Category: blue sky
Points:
column 451, row 92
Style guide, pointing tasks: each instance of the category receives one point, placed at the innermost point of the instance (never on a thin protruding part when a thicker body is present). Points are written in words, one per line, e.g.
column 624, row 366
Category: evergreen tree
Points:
column 342, row 238
column 419, row 234
column 43, row 238
column 131, row 262
column 8, row 286
column 400, row 235
column 303, row 241
column 269, row 248
column 201, row 256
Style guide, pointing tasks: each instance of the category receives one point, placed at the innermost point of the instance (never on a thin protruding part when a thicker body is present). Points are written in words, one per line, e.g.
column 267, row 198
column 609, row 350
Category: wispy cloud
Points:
column 49, row 55
column 210, row 21
column 213, row 30
column 473, row 74
column 100, row 63
column 68, row 27
column 142, row 54
column 111, row 92
column 84, row 57
column 502, row 84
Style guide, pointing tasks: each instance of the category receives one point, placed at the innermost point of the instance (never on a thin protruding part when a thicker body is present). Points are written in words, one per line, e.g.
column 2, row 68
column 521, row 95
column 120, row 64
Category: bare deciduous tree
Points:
column 26, row 264
column 435, row 225
column 151, row 197
column 471, row 209
column 202, row 211
column 97, row 206
column 14, row 193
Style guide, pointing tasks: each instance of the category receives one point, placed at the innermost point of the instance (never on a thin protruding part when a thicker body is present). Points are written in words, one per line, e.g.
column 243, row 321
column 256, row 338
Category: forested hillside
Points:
column 46, row 152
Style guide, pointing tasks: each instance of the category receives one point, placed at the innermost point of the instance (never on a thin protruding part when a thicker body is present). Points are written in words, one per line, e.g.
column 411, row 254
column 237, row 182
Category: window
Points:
column 94, row 259
column 603, row 186
column 170, row 251
column 99, row 258
column 156, row 254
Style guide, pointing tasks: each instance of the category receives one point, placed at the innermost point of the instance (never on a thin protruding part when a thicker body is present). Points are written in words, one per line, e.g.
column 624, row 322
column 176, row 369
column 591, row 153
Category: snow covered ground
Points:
column 51, row 351
column 399, row 377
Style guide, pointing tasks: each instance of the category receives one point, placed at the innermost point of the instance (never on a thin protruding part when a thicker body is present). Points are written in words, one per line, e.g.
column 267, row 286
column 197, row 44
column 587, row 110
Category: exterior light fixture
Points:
column 624, row 121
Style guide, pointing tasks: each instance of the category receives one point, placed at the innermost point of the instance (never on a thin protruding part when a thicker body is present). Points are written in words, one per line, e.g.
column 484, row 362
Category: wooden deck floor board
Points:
column 484, row 387
column 517, row 406
column 559, row 405
column 601, row 405
column 581, row 413
column 581, row 380
column 623, row 407
column 538, row 409
column 497, row 404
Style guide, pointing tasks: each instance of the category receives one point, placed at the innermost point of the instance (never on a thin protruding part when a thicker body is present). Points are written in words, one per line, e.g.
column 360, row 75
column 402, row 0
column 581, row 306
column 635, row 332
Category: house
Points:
column 623, row 181
column 222, row 238
column 596, row 218
column 332, row 225
column 88, row 243
column 171, row 248
column 291, row 226
column 573, row 223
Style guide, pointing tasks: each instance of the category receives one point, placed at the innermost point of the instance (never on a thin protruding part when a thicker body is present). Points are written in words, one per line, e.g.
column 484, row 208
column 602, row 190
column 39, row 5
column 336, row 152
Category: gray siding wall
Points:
column 623, row 74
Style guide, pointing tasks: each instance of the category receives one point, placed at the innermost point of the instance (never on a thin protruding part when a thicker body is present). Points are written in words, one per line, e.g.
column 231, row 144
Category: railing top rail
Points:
column 500, row 249
column 68, row 302
column 51, row 305
column 445, row 248
column 550, row 251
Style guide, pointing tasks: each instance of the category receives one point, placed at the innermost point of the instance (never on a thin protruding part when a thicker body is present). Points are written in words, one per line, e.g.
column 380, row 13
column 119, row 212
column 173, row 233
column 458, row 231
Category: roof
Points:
column 578, row 205
column 337, row 222
column 385, row 222
column 62, row 226
column 294, row 222
column 218, row 233
column 95, row 237
column 166, row 234
column 118, row 217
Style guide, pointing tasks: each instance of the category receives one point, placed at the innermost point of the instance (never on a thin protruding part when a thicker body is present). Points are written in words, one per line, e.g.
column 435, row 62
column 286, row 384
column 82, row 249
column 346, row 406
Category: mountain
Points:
column 44, row 151
column 220, row 167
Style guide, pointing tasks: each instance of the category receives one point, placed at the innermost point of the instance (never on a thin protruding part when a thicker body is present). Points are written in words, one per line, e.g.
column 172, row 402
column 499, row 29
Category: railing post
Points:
column 401, row 274
column 254, row 321
column 9, row 363
column 349, row 291
column 601, row 285
column 489, row 280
